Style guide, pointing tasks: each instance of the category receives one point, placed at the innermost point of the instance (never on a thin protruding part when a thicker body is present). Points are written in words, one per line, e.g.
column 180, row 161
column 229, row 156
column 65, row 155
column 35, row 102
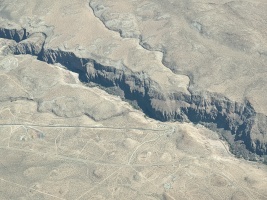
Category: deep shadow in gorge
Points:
column 210, row 109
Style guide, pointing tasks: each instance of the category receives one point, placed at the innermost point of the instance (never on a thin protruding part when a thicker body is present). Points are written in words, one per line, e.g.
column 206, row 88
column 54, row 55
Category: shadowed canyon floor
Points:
column 66, row 139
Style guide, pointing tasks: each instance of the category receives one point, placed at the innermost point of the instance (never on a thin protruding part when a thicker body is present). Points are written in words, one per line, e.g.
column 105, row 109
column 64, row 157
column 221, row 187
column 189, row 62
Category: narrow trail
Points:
column 81, row 126
column 30, row 188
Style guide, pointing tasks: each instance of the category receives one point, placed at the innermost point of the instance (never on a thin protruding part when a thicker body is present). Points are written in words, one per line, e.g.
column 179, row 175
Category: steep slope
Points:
column 94, row 105
column 240, row 119
column 63, row 140
column 135, row 73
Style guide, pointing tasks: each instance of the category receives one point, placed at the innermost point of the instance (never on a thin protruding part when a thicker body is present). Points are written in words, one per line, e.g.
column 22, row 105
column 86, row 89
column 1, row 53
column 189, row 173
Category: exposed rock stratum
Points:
column 169, row 59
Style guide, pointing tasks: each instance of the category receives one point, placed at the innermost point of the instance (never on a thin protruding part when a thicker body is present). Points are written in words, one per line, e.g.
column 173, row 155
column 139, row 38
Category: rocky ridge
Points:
column 246, row 126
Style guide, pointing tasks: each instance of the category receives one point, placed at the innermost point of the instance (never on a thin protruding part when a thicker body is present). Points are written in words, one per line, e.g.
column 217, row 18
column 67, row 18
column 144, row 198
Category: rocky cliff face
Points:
column 13, row 34
column 33, row 44
column 248, row 128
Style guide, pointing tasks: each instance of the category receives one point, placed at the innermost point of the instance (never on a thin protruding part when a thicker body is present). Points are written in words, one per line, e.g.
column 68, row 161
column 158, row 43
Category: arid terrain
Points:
column 156, row 100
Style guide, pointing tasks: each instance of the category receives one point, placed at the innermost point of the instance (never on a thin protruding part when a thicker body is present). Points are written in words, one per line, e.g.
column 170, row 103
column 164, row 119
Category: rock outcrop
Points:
column 248, row 128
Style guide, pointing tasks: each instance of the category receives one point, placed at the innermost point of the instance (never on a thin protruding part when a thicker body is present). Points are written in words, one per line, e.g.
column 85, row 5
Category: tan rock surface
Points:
column 55, row 145
column 220, row 44
column 184, row 61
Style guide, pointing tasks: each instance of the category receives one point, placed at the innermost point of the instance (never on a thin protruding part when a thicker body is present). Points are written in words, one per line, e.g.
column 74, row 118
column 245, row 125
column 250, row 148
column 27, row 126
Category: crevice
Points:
column 209, row 109
column 14, row 34
column 145, row 46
